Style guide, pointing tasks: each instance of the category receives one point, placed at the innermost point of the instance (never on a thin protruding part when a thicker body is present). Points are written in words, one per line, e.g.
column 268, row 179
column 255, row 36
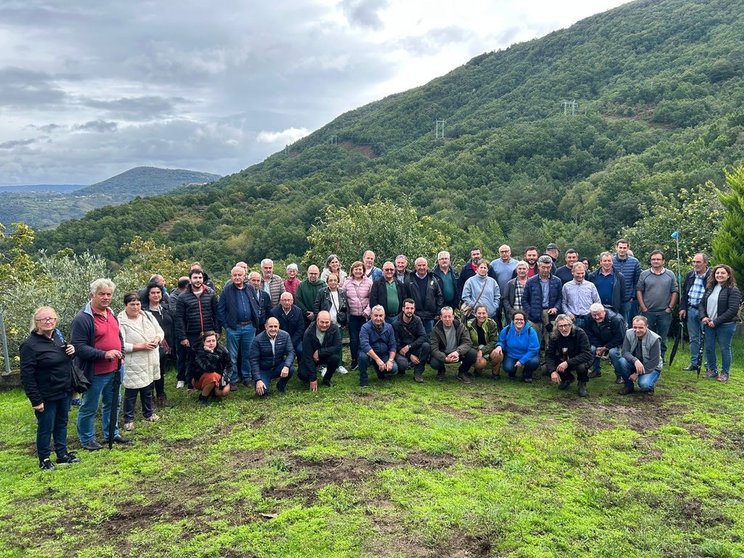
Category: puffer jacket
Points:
column 141, row 368
column 357, row 295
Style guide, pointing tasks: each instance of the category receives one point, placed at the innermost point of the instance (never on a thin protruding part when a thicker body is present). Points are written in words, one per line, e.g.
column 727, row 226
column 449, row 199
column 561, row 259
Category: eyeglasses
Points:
column 46, row 319
column 564, row 325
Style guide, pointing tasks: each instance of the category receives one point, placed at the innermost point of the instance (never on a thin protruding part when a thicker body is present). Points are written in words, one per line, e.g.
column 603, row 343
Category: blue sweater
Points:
column 520, row 345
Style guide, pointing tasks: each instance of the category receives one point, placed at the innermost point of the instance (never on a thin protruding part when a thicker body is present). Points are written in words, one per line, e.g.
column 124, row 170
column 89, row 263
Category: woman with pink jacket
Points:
column 357, row 288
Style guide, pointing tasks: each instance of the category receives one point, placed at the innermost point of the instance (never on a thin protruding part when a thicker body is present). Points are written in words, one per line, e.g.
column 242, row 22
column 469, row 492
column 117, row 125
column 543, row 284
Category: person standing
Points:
column 357, row 288
column 161, row 312
column 719, row 312
column 630, row 268
column 46, row 375
column 99, row 348
column 693, row 288
column 657, row 293
column 307, row 292
column 196, row 312
column 503, row 267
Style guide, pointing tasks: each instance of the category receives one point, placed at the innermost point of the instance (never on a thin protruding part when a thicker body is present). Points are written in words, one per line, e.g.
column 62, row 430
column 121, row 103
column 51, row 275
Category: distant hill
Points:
column 47, row 208
column 35, row 188
column 659, row 86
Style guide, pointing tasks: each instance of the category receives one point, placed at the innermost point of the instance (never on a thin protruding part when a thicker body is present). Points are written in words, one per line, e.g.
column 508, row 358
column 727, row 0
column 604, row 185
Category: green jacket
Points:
column 491, row 331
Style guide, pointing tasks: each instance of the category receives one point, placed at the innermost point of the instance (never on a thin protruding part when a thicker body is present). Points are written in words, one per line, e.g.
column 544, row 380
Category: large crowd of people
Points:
column 530, row 318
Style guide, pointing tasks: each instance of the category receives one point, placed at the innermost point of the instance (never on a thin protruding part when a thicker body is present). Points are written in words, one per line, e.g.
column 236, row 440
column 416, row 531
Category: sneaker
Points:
column 46, row 465
column 162, row 401
column 464, row 378
column 528, row 380
column 128, row 426
column 711, row 373
column 582, row 389
column 354, row 365
column 119, row 439
column 723, row 377
column 68, row 458
column 690, row 368
column 322, row 369
column 152, row 418
column 363, row 386
column 180, row 384
column 93, row 445
column 418, row 377
column 626, row 390
column 619, row 380
column 342, row 370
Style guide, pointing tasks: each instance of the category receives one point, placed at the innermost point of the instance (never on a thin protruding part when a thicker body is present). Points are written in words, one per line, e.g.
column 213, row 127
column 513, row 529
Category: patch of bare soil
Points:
column 459, row 413
column 365, row 149
column 639, row 412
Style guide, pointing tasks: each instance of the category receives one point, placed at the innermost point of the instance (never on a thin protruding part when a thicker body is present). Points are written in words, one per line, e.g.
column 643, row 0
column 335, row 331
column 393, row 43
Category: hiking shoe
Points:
column 204, row 400
column 464, row 378
column 418, row 377
column 93, row 445
column 119, row 439
column 690, row 368
column 594, row 374
column 711, row 374
column 46, row 465
column 440, row 375
column 152, row 418
column 626, row 390
column 564, row 384
column 528, row 380
column 180, row 384
column 322, row 369
column 68, row 458
column 723, row 377
column 162, row 401
column 354, row 365
column 128, row 426
column 582, row 389
column 342, row 370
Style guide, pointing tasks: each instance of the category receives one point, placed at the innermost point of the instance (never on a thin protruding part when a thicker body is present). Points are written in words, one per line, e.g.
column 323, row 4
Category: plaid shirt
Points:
column 518, row 292
column 696, row 291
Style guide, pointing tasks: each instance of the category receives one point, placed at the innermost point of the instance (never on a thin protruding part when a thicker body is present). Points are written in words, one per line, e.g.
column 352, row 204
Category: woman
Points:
column 518, row 348
column 333, row 265
column 481, row 289
column 333, row 300
column 292, row 282
column 162, row 314
column 357, row 288
column 211, row 368
column 719, row 312
column 142, row 336
column 46, row 374
column 484, row 333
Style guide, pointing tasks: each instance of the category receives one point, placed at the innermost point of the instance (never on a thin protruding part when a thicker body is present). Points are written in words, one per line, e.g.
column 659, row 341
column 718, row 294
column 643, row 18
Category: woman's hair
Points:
column 355, row 265
column 210, row 333
column 477, row 306
column 524, row 316
column 151, row 286
column 330, row 258
column 730, row 282
column 130, row 296
column 38, row 311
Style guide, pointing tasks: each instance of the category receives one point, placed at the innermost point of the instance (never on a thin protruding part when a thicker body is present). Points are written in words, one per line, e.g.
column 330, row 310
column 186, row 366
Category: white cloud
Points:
column 290, row 135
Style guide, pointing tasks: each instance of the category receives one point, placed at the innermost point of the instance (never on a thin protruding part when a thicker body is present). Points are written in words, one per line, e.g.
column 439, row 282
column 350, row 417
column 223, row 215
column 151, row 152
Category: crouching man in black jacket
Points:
column 321, row 345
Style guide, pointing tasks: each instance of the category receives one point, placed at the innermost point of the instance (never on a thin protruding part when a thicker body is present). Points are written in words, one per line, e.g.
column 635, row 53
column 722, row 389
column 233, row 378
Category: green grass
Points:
column 401, row 469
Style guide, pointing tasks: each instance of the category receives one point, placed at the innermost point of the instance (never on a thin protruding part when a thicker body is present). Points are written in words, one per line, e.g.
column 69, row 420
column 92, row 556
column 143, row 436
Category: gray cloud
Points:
column 435, row 40
column 364, row 13
column 21, row 87
column 16, row 143
column 136, row 108
column 96, row 126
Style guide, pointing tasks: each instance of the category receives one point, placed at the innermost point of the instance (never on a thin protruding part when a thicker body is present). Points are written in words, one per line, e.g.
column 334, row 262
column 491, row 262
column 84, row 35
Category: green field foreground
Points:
column 401, row 469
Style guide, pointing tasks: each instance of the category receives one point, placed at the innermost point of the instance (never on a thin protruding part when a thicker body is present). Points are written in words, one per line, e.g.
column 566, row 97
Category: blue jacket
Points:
column 228, row 303
column 630, row 268
column 381, row 342
column 521, row 345
column 293, row 322
column 264, row 359
column 532, row 297
column 618, row 288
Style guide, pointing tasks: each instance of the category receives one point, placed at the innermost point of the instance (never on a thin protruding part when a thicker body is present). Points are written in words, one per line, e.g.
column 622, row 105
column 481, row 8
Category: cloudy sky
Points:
column 89, row 89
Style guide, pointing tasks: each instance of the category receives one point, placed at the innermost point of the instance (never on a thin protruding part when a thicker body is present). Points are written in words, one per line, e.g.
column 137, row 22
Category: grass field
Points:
column 401, row 469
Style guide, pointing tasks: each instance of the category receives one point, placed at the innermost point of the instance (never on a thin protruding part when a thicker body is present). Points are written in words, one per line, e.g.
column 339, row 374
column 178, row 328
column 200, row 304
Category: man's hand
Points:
column 389, row 366
column 39, row 407
column 633, row 377
column 414, row 359
column 404, row 351
column 316, row 356
column 552, row 311
column 314, row 385
column 682, row 314
column 600, row 351
column 555, row 377
column 639, row 367
column 454, row 356
column 113, row 354
column 498, row 350
column 260, row 387
column 284, row 373
column 562, row 367
column 70, row 349
column 310, row 316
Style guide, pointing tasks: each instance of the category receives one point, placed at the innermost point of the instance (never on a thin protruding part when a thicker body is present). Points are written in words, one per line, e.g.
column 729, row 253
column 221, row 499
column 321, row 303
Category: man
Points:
column 98, row 349
column 196, row 312
column 513, row 296
column 263, row 299
column 321, row 346
column 450, row 343
column 553, row 251
column 181, row 287
column 290, row 320
column 565, row 272
column 471, row 268
column 606, row 331
column 610, row 283
column 272, row 284
column 630, row 268
column 642, row 358
column 182, row 352
column 368, row 259
column 693, row 288
column 206, row 281
column 238, row 311
column 307, row 292
column 423, row 288
column 568, row 350
column 542, row 298
column 377, row 347
column 401, row 269
column 657, row 293
column 272, row 356
column 448, row 279
column 503, row 268
column 531, row 256
column 413, row 344
column 388, row 292
column 578, row 295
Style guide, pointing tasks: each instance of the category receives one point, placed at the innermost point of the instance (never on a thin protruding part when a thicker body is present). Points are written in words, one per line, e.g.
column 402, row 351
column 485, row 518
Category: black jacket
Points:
column 412, row 334
column 729, row 301
column 203, row 362
column 618, row 288
column 331, row 346
column 293, row 322
column 579, row 351
column 265, row 358
column 228, row 305
column 46, row 371
column 195, row 315
column 378, row 293
column 610, row 333
column 687, row 285
column 428, row 306
column 323, row 302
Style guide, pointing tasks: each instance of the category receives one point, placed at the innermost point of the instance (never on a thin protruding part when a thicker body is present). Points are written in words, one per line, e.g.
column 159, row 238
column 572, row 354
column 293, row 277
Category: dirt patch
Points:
column 459, row 413
column 365, row 149
column 465, row 546
column 641, row 413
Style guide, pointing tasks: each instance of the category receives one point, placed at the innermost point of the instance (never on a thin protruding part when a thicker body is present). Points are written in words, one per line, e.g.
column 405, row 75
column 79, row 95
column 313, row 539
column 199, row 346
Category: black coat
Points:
column 203, row 362
column 428, row 306
column 195, row 315
column 412, row 334
column 46, row 371
column 323, row 302
column 610, row 333
column 378, row 294
column 729, row 301
column 579, row 351
column 331, row 345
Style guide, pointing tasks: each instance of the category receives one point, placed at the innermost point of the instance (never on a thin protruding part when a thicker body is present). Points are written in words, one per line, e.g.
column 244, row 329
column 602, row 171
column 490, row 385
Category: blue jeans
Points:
column 625, row 313
column 101, row 389
column 268, row 375
column 659, row 322
column 52, row 421
column 723, row 334
column 529, row 367
column 239, row 340
column 355, row 326
column 646, row 382
column 614, row 354
column 693, row 329
column 428, row 326
column 365, row 361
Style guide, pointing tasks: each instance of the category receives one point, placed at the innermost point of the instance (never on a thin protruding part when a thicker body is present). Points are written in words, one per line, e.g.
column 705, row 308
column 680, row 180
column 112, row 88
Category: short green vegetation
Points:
column 500, row 469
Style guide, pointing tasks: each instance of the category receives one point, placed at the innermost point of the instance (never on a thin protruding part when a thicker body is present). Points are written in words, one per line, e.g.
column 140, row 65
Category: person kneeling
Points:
column 484, row 333
column 518, row 348
column 272, row 355
column 641, row 360
column 211, row 368
column 568, row 350
column 321, row 349
column 377, row 347
column 451, row 343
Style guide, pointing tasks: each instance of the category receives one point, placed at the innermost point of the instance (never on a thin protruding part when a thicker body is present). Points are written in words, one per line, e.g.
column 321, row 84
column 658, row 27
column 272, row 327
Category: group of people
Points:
column 490, row 316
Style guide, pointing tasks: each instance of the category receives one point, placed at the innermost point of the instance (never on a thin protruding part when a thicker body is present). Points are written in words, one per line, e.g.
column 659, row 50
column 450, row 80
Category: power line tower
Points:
column 286, row 149
column 569, row 108
column 333, row 140
column 439, row 129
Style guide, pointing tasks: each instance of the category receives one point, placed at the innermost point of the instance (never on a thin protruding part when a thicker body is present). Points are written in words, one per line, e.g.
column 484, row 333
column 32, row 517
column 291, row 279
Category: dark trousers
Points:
column 52, row 422
column 331, row 362
column 355, row 326
column 182, row 359
column 130, row 398
column 582, row 371
column 404, row 362
column 159, row 384
column 466, row 361
column 268, row 375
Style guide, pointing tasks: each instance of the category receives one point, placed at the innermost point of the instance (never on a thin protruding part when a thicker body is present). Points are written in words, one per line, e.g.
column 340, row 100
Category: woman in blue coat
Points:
column 518, row 348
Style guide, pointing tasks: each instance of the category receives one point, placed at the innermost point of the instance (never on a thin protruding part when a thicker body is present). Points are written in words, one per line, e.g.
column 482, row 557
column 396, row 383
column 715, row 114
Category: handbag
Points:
column 467, row 309
column 80, row 382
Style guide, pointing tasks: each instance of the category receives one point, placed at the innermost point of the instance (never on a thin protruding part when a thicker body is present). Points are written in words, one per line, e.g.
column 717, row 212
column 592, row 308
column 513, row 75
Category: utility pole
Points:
column 569, row 108
column 439, row 129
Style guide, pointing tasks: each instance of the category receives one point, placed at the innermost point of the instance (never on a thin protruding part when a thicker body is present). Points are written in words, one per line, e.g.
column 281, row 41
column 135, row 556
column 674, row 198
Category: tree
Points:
column 728, row 243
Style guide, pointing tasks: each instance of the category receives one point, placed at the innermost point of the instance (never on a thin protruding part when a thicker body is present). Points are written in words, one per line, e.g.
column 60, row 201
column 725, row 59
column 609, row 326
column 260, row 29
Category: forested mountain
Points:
column 660, row 92
column 41, row 208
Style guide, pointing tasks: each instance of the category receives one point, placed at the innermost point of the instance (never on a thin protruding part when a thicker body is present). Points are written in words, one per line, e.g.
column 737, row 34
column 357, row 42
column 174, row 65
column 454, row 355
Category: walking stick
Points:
column 701, row 350
column 114, row 418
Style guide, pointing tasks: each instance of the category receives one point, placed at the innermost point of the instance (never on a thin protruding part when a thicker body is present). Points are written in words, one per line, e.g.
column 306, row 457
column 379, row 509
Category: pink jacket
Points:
column 357, row 294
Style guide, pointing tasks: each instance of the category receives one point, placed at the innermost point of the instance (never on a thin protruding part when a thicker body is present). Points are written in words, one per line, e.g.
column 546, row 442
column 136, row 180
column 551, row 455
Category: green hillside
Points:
column 41, row 209
column 660, row 98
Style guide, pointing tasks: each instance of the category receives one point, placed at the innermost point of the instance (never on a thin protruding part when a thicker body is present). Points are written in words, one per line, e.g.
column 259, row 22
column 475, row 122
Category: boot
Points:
column 582, row 389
